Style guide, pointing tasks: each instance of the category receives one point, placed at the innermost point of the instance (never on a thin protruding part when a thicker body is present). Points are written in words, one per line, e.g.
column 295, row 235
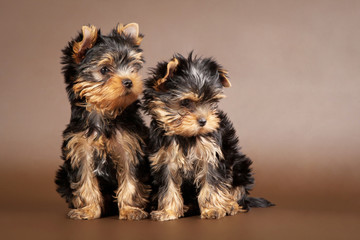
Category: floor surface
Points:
column 31, row 209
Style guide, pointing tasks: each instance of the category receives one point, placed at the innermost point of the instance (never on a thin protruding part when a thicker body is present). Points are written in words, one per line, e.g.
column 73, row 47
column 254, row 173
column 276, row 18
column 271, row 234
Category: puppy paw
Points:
column 233, row 209
column 212, row 213
column 132, row 213
column 243, row 209
column 85, row 213
column 164, row 215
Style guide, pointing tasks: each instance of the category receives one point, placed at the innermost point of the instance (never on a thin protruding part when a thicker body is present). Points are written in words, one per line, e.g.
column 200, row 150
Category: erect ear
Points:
column 130, row 30
column 224, row 78
column 89, row 36
column 171, row 67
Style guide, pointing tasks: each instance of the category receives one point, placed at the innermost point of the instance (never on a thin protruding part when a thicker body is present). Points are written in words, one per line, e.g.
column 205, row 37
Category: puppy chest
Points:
column 124, row 147
column 200, row 155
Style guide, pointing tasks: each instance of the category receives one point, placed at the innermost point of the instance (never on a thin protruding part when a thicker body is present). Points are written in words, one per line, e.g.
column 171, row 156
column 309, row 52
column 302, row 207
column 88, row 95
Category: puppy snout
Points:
column 127, row 83
column 202, row 122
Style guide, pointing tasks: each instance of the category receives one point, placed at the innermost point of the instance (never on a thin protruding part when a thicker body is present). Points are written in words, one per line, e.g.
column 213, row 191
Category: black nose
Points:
column 202, row 122
column 127, row 83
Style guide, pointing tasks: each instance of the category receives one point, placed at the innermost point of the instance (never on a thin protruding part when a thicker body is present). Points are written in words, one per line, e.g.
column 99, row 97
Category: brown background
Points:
column 295, row 102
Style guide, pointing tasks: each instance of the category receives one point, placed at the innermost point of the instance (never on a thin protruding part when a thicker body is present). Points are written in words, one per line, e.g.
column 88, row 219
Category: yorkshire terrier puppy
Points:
column 193, row 149
column 103, row 147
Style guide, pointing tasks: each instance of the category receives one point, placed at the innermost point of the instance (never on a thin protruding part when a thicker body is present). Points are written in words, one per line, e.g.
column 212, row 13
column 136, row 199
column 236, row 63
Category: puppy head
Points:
column 102, row 71
column 183, row 94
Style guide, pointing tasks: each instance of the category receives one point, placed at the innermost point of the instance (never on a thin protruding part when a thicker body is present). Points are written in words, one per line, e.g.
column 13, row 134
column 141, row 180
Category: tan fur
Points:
column 238, row 193
column 224, row 78
column 171, row 67
column 107, row 60
column 170, row 156
column 111, row 97
column 170, row 204
column 206, row 152
column 132, row 30
column 192, row 96
column 190, row 126
column 214, row 202
column 131, row 194
column 88, row 212
column 88, row 41
column 87, row 196
column 196, row 98
column 219, row 96
column 183, row 122
column 137, row 56
column 132, row 213
column 158, row 109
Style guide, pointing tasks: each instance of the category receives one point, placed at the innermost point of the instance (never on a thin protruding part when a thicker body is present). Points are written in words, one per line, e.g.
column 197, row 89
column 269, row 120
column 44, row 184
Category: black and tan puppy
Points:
column 103, row 147
column 194, row 153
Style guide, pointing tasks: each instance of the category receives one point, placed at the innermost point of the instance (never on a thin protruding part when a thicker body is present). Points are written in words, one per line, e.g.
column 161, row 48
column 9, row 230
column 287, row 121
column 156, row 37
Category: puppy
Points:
column 194, row 154
column 103, row 147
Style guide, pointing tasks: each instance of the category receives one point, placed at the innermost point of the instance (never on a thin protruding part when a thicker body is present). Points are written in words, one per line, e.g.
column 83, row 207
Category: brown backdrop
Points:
column 295, row 102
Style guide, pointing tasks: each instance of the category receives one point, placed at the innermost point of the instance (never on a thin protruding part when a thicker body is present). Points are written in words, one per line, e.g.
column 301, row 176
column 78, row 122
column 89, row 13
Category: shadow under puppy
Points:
column 193, row 148
column 103, row 147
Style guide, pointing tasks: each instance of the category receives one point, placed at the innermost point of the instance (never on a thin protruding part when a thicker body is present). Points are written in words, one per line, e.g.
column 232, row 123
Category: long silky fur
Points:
column 205, row 77
column 99, row 129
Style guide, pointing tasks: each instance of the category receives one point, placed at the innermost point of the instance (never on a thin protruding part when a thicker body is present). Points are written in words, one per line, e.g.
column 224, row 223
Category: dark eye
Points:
column 185, row 102
column 104, row 70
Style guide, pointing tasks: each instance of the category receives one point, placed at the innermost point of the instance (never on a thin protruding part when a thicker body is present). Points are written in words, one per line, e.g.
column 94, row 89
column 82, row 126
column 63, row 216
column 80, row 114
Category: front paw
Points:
column 164, row 215
column 212, row 213
column 132, row 213
column 85, row 213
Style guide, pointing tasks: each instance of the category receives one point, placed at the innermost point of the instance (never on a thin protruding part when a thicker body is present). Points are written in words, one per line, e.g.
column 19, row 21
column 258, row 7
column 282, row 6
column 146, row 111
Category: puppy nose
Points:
column 202, row 122
column 127, row 83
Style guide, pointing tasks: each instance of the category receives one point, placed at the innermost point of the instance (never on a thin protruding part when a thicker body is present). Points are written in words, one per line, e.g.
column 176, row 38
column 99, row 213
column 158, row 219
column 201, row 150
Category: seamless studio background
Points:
column 294, row 101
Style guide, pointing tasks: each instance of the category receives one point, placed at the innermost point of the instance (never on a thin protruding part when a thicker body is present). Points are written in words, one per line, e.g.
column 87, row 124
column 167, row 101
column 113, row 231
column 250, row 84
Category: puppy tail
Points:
column 258, row 202
column 252, row 202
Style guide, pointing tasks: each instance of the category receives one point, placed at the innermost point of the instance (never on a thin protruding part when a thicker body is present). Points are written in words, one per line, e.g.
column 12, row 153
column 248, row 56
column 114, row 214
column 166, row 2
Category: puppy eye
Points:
column 185, row 102
column 104, row 70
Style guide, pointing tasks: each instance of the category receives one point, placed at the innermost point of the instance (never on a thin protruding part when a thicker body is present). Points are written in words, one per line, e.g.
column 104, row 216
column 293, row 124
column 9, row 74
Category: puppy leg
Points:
column 216, row 202
column 131, row 194
column 87, row 199
column 165, row 169
column 170, row 202
column 215, row 199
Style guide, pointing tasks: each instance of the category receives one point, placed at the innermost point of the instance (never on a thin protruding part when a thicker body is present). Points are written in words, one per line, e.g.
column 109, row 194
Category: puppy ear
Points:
column 130, row 30
column 171, row 67
column 224, row 78
column 89, row 36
